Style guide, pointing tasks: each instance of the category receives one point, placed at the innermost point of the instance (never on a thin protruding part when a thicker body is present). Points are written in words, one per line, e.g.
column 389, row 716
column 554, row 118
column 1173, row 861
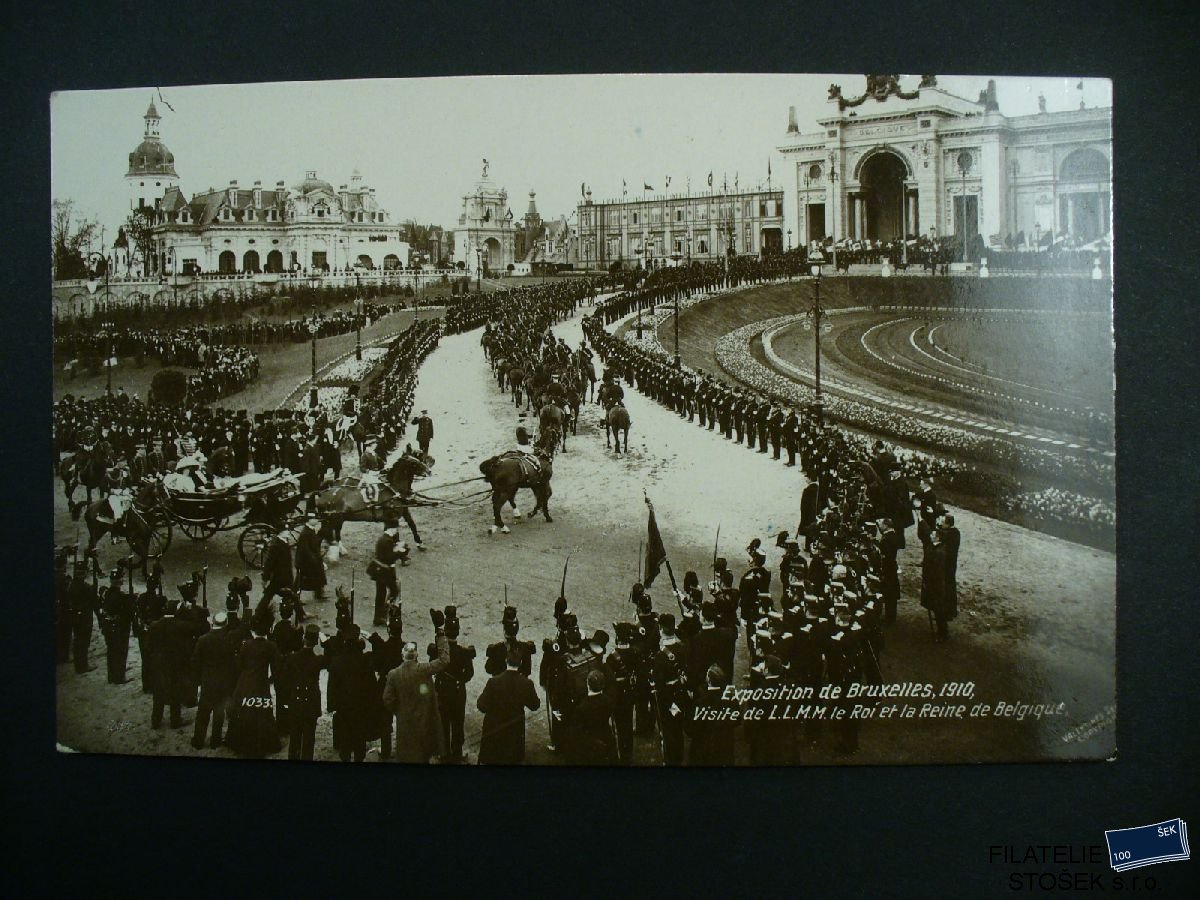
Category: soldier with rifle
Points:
column 116, row 624
column 620, row 669
column 672, row 700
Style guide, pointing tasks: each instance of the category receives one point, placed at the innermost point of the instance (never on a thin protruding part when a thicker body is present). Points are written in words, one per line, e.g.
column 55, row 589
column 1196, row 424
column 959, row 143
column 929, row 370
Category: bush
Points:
column 169, row 387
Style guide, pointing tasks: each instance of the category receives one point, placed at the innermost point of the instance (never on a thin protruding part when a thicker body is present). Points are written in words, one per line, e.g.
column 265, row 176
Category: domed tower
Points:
column 151, row 165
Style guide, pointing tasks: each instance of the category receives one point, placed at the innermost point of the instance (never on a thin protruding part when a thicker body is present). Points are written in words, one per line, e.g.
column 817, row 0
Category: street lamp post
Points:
column 172, row 255
column 833, row 198
column 479, row 269
column 358, row 317
column 815, row 319
column 312, row 330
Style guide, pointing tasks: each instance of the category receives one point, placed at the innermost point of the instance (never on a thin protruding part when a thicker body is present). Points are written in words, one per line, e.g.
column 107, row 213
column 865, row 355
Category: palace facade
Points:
column 893, row 162
column 669, row 229
column 310, row 228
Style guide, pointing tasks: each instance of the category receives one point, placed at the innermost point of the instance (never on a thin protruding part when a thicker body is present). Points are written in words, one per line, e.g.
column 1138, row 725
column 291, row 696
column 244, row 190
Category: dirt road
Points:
column 1036, row 619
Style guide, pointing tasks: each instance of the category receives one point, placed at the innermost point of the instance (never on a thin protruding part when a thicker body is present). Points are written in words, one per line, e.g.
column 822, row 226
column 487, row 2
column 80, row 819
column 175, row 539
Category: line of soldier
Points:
column 191, row 345
column 147, row 441
column 558, row 299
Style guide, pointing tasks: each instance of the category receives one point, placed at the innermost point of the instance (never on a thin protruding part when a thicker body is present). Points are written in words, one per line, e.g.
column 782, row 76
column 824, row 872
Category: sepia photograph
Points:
column 554, row 420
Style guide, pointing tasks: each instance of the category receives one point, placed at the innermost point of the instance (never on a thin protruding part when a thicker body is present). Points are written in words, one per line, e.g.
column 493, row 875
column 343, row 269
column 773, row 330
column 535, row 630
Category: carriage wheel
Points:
column 252, row 545
column 157, row 536
column 199, row 531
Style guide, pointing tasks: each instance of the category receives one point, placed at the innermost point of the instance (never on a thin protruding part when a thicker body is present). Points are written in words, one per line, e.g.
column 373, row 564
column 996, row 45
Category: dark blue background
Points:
column 177, row 827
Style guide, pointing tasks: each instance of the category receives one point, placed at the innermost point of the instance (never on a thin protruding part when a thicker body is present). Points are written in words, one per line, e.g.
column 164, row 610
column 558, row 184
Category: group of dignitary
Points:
column 253, row 675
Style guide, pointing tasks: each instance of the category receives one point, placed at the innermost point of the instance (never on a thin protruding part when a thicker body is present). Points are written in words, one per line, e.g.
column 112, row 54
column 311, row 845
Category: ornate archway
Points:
column 250, row 261
column 137, row 300
column 227, row 262
column 391, row 261
column 882, row 197
column 1084, row 195
column 275, row 262
column 493, row 255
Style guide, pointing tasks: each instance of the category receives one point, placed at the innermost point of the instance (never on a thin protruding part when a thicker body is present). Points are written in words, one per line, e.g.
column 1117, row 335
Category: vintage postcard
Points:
column 561, row 421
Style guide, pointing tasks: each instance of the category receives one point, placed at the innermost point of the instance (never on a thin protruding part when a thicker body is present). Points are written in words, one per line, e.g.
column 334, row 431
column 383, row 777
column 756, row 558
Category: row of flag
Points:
column 646, row 187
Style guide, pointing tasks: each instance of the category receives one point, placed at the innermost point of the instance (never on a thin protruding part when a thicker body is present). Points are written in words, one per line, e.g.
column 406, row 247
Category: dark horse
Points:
column 616, row 420
column 554, row 418
column 88, row 469
column 507, row 474
column 348, row 500
column 135, row 526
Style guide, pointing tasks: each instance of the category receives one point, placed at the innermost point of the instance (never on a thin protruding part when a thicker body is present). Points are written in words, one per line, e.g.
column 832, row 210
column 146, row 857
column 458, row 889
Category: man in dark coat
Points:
column 382, row 569
column 169, row 648
column 669, row 673
column 711, row 730
column 933, row 583
column 304, row 696
column 451, row 687
column 83, row 603
column 353, row 696
column 116, row 625
column 503, row 702
column 591, row 739
column 277, row 572
column 712, row 645
column 897, row 501
column 424, row 431
column 312, row 466
column 310, row 568
column 215, row 667
column 890, row 542
column 951, row 538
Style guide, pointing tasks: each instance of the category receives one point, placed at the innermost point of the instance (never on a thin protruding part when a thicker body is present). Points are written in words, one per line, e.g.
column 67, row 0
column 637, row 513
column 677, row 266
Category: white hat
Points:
column 187, row 462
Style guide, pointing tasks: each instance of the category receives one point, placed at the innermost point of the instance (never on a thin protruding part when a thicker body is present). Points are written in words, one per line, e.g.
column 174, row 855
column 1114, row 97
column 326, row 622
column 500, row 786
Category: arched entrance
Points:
column 275, row 262
column 493, row 255
column 365, row 261
column 391, row 261
column 882, row 197
column 1083, row 196
column 250, row 261
column 227, row 262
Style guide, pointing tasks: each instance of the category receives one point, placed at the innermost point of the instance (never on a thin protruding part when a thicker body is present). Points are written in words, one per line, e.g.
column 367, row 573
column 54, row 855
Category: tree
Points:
column 169, row 387
column 69, row 237
column 139, row 228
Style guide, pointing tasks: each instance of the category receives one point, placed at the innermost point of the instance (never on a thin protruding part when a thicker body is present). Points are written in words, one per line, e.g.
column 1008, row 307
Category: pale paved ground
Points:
column 1037, row 620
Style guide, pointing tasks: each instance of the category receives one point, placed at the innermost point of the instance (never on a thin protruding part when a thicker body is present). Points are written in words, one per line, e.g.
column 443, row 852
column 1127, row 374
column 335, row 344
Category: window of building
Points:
column 703, row 244
column 183, row 216
column 320, row 212
column 158, row 184
column 226, row 215
column 141, row 184
column 814, row 172
column 318, row 259
column 679, row 215
column 635, row 218
column 189, row 265
column 762, row 208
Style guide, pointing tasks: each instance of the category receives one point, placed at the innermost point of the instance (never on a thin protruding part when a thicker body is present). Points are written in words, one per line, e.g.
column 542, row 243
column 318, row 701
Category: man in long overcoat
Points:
column 410, row 696
column 503, row 702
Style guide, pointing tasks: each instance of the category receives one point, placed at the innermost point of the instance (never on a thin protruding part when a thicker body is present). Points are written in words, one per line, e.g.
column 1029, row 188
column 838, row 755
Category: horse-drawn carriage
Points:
column 259, row 504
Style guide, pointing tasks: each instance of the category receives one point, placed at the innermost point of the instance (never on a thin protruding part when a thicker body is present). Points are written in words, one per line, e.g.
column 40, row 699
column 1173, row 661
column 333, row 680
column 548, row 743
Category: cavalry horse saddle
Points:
column 531, row 466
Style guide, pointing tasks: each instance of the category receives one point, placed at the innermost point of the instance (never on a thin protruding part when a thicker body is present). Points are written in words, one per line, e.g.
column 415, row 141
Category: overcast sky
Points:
column 420, row 142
